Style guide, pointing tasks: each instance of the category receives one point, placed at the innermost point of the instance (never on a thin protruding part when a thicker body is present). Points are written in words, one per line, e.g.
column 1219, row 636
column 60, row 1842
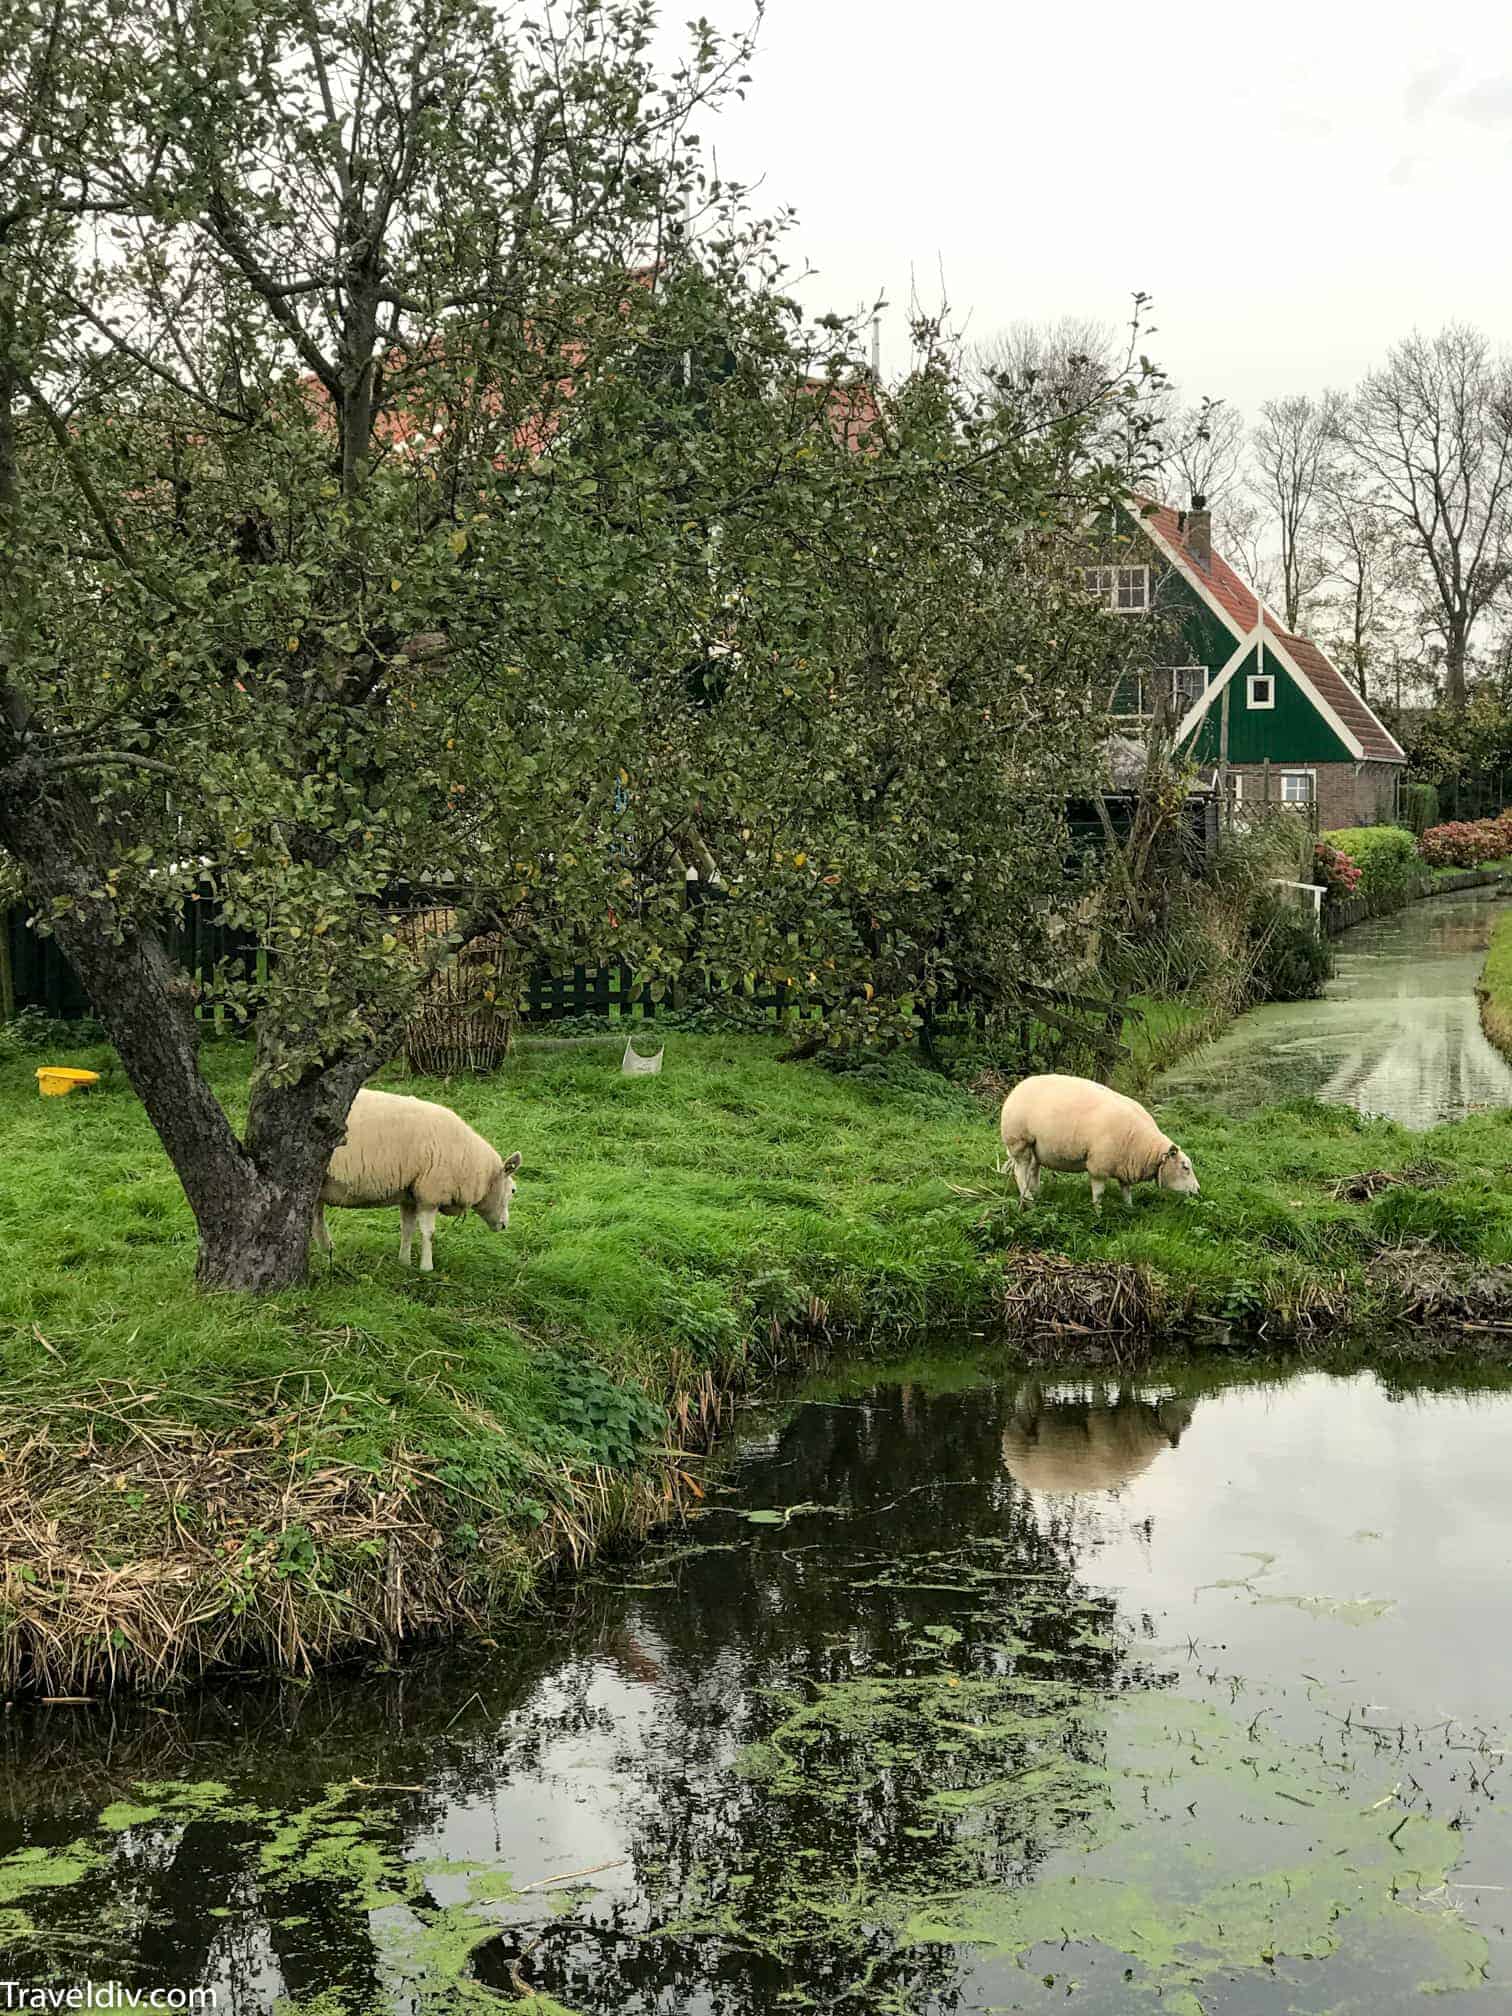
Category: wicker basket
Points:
column 464, row 1018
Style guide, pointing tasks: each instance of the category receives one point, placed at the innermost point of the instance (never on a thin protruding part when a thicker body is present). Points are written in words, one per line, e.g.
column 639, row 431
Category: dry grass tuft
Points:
column 1044, row 1294
column 1370, row 1183
column 258, row 1554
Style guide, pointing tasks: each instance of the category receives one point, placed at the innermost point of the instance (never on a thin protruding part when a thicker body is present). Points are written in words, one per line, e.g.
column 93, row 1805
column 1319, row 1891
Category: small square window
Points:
column 1262, row 690
column 1296, row 787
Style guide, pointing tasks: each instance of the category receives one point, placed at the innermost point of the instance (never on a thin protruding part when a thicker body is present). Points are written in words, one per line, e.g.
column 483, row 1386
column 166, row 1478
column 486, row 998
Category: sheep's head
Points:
column 494, row 1210
column 1176, row 1173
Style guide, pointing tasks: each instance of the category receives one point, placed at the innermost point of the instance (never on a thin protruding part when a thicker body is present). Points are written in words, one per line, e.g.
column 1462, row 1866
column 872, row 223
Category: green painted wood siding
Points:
column 1206, row 638
column 1293, row 731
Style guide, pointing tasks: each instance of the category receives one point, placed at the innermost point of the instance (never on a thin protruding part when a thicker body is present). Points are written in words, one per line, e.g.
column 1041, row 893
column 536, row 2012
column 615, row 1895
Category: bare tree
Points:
column 1203, row 453
column 1359, row 545
column 1292, row 446
column 1243, row 536
column 1087, row 382
column 1433, row 433
column 1054, row 367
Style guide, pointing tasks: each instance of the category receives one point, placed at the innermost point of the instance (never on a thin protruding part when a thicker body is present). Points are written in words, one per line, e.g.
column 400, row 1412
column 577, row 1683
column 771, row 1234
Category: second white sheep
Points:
column 422, row 1157
column 1054, row 1122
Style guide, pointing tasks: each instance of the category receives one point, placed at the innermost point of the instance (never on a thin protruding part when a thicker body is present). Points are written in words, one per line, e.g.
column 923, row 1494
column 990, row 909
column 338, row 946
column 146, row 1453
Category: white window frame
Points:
column 1145, row 677
column 1267, row 679
column 1124, row 714
column 1179, row 704
column 1108, row 585
column 1309, row 777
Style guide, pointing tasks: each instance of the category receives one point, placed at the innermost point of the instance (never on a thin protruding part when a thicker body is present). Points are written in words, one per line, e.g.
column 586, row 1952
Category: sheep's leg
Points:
column 1128, row 1192
column 426, row 1218
column 406, row 1232
column 1026, row 1174
column 1099, row 1184
column 321, row 1230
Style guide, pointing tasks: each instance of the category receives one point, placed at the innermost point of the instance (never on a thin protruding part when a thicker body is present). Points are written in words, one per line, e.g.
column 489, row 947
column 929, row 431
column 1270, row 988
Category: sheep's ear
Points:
column 1172, row 1152
column 512, row 1164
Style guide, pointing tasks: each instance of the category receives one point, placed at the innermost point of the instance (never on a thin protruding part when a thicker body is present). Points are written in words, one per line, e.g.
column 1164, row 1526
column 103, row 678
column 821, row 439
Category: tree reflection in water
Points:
column 808, row 1726
column 894, row 1695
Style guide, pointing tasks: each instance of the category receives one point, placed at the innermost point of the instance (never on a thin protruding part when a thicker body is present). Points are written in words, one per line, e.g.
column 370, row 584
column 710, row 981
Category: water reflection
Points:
column 1398, row 1033
column 1060, row 1443
column 950, row 1653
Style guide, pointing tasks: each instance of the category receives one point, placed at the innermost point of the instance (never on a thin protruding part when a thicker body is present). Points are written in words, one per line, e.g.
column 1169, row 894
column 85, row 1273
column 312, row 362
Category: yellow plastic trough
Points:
column 56, row 1081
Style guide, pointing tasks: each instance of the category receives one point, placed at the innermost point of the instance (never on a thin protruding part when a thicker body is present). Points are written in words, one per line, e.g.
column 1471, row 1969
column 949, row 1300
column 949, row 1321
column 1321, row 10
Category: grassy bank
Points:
column 1495, row 987
column 192, row 1482
column 1159, row 1033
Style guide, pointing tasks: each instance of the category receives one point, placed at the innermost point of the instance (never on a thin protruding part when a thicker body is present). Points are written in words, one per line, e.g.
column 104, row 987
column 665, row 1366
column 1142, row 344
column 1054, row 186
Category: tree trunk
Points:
column 253, row 1203
column 1454, row 666
column 257, row 1239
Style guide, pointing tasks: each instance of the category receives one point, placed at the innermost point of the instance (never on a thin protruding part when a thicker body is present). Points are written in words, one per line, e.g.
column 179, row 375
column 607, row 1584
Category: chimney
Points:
column 1199, row 533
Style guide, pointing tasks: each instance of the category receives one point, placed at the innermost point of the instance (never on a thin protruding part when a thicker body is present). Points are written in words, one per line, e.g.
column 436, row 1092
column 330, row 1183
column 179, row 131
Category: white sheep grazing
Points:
column 422, row 1157
column 1053, row 1122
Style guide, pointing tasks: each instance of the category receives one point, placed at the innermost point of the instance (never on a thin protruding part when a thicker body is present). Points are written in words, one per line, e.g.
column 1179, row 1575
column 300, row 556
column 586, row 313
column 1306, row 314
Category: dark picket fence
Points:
column 38, row 976
column 41, row 979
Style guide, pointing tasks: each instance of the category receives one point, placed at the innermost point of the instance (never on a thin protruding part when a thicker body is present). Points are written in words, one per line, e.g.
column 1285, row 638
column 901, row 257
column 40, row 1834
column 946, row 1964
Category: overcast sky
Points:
column 1295, row 185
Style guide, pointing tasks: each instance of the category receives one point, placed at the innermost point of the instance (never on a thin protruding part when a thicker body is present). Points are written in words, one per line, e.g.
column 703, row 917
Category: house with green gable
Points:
column 1263, row 712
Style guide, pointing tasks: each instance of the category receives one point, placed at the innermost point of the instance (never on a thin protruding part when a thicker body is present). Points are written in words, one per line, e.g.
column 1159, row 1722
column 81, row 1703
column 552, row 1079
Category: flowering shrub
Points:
column 1466, row 843
column 1335, row 870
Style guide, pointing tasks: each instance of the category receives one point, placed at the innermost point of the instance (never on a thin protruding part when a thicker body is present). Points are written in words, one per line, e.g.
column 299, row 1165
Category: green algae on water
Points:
column 31, row 1870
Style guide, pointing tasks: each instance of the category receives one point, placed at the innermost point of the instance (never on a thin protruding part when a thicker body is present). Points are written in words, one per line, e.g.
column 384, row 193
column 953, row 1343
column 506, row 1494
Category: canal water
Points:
column 1398, row 1033
column 963, row 1692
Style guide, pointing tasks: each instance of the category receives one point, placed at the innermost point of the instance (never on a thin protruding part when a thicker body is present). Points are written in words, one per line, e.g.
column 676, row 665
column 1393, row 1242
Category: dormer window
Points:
column 1125, row 590
column 1262, row 690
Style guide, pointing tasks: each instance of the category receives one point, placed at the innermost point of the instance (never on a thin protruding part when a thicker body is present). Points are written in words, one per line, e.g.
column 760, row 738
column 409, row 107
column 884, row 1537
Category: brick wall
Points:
column 1348, row 794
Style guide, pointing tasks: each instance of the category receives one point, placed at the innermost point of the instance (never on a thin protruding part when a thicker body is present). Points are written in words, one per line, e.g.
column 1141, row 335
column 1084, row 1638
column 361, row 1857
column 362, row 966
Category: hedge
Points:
column 1387, row 858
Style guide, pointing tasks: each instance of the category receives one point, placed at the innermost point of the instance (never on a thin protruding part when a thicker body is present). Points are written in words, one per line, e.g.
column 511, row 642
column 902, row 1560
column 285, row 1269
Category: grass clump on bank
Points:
column 190, row 1482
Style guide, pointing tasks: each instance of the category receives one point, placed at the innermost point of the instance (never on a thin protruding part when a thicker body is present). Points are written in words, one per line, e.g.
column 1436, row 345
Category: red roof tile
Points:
column 1241, row 605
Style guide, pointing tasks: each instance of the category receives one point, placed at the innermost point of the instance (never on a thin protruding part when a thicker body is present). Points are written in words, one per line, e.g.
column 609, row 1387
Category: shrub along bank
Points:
column 1369, row 871
column 1391, row 871
column 190, row 1482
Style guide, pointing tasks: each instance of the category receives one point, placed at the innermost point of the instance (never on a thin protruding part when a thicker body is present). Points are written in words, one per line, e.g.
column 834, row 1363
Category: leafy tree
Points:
column 394, row 490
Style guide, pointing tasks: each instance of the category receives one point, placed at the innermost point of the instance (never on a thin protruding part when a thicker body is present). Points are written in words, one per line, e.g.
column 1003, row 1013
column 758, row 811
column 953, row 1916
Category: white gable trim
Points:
column 1190, row 573
column 1278, row 650
column 1193, row 716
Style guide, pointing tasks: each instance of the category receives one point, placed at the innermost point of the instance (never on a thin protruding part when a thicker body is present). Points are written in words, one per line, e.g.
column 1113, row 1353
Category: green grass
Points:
column 1495, row 986
column 1267, row 1235
column 655, row 1219
column 672, row 1238
column 1501, row 867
